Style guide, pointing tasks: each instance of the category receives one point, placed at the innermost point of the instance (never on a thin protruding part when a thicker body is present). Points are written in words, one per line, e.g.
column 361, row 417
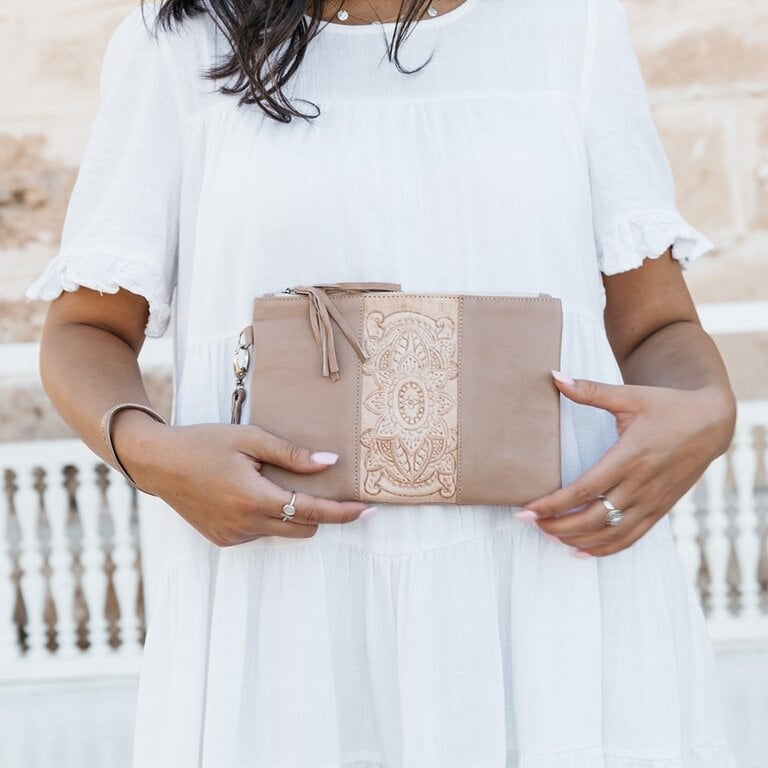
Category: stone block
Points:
column 34, row 192
column 695, row 141
column 760, row 210
column 746, row 358
column 27, row 414
column 717, row 48
column 737, row 273
column 21, row 321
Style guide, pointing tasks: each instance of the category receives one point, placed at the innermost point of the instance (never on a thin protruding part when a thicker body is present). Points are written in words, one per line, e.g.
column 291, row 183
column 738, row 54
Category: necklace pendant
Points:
column 342, row 15
column 432, row 11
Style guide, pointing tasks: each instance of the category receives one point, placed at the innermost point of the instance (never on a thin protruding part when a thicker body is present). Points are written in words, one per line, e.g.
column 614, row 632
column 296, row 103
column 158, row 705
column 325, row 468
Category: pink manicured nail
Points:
column 563, row 378
column 526, row 516
column 579, row 553
column 550, row 536
column 324, row 457
column 367, row 513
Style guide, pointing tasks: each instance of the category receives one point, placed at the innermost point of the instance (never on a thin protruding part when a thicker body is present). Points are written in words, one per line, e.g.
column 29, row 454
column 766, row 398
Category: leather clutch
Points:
column 426, row 397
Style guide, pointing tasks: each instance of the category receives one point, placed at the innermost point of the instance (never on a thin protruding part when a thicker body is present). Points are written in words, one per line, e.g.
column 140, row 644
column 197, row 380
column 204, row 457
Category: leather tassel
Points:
column 323, row 313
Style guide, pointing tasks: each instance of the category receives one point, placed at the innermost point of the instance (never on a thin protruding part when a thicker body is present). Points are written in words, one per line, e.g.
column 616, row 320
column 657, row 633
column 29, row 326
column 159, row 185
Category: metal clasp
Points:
column 240, row 364
column 242, row 359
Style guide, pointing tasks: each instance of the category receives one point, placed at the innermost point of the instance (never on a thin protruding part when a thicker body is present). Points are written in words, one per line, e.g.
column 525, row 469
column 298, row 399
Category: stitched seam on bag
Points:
column 459, row 402
column 359, row 385
column 399, row 295
column 410, row 412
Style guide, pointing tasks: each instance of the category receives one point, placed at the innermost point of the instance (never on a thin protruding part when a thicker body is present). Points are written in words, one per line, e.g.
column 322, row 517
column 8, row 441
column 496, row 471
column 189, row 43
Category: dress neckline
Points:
column 453, row 15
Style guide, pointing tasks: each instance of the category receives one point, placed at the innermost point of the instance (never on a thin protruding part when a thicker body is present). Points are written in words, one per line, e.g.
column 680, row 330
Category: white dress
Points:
column 522, row 158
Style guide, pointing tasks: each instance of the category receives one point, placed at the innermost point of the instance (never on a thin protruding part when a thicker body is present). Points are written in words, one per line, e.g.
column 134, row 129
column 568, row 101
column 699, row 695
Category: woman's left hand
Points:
column 667, row 438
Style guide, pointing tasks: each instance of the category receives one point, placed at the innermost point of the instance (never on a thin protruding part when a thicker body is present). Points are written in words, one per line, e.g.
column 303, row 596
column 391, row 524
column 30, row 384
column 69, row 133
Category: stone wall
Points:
column 706, row 66
column 705, row 63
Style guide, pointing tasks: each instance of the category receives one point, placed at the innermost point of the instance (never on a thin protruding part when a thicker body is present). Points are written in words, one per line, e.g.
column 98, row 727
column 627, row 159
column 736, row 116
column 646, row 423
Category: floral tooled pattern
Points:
column 409, row 436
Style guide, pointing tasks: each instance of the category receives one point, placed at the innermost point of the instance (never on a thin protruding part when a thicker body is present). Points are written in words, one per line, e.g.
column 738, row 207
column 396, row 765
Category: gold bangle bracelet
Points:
column 106, row 432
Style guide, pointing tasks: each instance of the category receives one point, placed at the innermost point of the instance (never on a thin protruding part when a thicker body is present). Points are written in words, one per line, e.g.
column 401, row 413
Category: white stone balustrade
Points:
column 70, row 550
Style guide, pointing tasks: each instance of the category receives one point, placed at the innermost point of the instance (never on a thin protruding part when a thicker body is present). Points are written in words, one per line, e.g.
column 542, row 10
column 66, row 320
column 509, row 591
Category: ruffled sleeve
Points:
column 122, row 221
column 635, row 216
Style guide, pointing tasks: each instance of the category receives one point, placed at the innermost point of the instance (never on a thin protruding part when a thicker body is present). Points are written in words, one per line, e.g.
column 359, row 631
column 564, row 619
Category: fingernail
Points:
column 563, row 378
column 580, row 554
column 367, row 512
column 324, row 457
column 550, row 536
column 526, row 516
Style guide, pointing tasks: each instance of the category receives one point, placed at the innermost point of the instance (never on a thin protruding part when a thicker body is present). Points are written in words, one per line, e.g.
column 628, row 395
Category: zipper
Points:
column 290, row 292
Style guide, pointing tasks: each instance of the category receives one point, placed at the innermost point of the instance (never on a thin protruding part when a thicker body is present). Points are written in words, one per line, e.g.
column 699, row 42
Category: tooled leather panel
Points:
column 409, row 415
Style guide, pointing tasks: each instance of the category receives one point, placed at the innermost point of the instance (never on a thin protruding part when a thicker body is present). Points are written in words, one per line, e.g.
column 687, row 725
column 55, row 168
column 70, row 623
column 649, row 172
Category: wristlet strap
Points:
column 106, row 432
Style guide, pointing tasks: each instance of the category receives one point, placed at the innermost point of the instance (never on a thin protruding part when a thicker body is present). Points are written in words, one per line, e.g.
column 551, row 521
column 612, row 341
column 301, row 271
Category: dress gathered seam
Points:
column 249, row 546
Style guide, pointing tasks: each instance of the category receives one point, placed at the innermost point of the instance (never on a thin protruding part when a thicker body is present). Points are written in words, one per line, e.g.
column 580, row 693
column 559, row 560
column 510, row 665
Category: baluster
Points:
column 62, row 578
column 124, row 558
column 44, row 541
column 31, row 560
column 747, row 545
column 9, row 648
column 761, row 512
column 92, row 559
column 716, row 541
column 686, row 529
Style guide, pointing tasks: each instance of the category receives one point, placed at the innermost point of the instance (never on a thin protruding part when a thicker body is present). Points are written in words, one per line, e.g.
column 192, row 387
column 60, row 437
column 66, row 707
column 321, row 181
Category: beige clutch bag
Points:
column 426, row 397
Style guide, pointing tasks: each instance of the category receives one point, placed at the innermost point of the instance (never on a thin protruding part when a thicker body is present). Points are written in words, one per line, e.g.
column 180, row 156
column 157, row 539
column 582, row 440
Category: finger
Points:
column 631, row 535
column 616, row 398
column 590, row 520
column 608, row 534
column 310, row 510
column 267, row 447
column 289, row 529
column 606, row 473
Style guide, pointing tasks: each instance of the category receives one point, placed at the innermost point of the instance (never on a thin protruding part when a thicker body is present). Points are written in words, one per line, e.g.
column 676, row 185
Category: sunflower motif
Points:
column 411, row 448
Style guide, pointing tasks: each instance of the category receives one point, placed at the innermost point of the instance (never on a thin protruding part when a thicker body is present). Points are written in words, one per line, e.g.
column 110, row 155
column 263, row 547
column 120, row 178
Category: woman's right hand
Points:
column 209, row 473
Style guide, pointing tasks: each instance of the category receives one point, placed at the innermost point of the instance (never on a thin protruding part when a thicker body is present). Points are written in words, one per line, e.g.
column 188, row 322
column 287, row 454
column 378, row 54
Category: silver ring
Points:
column 288, row 509
column 613, row 515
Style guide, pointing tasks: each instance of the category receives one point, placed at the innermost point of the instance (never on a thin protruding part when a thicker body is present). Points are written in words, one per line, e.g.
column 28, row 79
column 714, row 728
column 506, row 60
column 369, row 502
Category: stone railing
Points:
column 72, row 592
column 71, row 586
column 721, row 529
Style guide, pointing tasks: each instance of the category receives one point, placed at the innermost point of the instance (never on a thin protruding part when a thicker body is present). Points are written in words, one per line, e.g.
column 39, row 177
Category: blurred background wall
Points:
column 706, row 67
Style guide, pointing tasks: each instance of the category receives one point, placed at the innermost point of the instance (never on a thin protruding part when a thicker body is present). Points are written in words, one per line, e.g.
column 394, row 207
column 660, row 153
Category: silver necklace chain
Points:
column 342, row 14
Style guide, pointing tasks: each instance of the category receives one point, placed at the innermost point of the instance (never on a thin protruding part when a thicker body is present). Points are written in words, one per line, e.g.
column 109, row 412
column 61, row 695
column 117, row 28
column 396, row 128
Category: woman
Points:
column 520, row 157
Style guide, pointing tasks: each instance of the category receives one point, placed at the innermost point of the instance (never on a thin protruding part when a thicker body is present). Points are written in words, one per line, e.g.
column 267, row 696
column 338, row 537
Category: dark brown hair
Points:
column 268, row 40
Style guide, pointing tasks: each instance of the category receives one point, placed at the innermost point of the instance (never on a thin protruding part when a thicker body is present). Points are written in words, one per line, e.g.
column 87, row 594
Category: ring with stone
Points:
column 613, row 515
column 288, row 509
